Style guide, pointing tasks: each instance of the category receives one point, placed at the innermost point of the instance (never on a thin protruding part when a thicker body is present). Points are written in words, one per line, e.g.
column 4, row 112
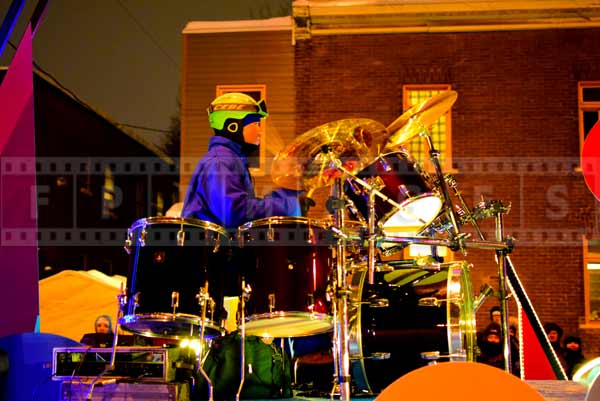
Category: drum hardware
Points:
column 180, row 236
column 434, row 157
column 342, row 292
column 376, row 356
column 174, row 301
column 244, row 297
column 499, row 209
column 128, row 242
column 463, row 210
column 431, row 356
column 136, row 301
column 434, row 356
column 485, row 291
column 455, row 244
column 429, row 302
column 378, row 303
column 272, row 302
column 121, row 300
column 142, row 237
column 203, row 300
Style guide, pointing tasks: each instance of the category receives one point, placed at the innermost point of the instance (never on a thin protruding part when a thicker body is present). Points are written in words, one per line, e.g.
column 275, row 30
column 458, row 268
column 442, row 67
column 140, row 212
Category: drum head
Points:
column 288, row 324
column 166, row 325
column 415, row 214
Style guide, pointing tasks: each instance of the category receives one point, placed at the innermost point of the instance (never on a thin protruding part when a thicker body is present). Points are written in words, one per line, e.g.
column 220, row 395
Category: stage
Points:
column 550, row 390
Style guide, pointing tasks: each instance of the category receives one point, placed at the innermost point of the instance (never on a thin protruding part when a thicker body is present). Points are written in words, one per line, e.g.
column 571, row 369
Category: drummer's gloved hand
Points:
column 305, row 203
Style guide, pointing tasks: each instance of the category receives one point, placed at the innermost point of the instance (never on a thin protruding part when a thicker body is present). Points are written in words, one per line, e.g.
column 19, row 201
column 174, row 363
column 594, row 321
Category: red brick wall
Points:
column 515, row 136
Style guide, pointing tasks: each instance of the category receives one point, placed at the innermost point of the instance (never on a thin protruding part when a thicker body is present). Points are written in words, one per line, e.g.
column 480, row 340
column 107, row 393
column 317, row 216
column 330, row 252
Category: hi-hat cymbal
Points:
column 309, row 162
column 420, row 116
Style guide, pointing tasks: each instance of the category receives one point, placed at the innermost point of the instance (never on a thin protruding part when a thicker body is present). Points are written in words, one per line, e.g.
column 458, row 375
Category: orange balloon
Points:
column 459, row 381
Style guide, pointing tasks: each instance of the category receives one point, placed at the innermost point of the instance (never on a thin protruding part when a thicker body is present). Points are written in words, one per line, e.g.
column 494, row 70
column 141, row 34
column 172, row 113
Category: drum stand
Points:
column 246, row 290
column 497, row 210
column 341, row 292
column 341, row 289
column 203, row 300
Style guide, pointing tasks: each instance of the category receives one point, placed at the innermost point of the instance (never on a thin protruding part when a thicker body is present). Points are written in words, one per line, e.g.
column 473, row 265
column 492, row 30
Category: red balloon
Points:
column 590, row 160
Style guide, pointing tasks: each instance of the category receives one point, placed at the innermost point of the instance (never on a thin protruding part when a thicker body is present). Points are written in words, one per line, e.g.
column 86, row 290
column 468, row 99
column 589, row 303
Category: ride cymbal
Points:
column 311, row 160
column 420, row 116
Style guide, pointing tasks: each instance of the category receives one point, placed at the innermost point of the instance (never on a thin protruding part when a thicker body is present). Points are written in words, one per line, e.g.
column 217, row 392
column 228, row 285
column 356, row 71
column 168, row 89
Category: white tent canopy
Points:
column 71, row 300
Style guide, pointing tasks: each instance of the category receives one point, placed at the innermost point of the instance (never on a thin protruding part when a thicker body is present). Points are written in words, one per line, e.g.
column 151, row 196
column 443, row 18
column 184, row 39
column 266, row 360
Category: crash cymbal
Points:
column 411, row 122
column 309, row 162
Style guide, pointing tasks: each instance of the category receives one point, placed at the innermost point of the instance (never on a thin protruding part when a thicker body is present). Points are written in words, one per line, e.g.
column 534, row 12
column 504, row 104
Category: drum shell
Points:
column 403, row 182
column 288, row 261
column 170, row 255
column 407, row 312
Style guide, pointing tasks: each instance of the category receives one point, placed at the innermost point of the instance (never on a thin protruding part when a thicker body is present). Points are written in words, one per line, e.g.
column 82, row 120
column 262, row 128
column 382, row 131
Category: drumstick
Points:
column 274, row 142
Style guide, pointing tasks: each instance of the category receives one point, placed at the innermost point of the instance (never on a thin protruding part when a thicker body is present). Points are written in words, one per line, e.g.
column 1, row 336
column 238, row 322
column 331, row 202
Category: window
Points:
column 591, row 278
column 256, row 160
column 589, row 108
column 108, row 194
column 440, row 131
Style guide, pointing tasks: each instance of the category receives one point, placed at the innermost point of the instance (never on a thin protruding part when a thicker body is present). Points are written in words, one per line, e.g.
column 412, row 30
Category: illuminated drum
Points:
column 407, row 312
column 402, row 181
column 290, row 260
column 171, row 259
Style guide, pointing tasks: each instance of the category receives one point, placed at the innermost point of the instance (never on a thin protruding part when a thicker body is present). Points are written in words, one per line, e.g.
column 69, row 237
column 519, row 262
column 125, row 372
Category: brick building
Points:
column 517, row 126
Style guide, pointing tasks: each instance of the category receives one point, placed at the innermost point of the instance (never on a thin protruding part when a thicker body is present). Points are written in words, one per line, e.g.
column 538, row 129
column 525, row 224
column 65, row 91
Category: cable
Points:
column 147, row 33
column 82, row 102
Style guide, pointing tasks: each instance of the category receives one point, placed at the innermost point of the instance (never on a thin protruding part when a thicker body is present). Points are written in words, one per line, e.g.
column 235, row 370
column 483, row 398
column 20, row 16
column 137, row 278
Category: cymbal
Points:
column 412, row 121
column 309, row 162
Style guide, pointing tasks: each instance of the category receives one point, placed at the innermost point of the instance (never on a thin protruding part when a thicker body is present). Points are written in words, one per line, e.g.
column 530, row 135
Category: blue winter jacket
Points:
column 221, row 190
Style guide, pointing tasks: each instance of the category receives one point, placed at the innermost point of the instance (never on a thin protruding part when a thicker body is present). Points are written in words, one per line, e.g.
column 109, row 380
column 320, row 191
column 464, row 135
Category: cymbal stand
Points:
column 434, row 155
column 496, row 209
column 121, row 302
column 499, row 211
column 246, row 290
column 203, row 299
column 341, row 292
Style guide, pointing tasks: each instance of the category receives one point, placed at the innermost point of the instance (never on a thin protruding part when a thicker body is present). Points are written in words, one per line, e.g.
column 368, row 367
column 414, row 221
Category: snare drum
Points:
column 401, row 180
column 290, row 263
column 171, row 259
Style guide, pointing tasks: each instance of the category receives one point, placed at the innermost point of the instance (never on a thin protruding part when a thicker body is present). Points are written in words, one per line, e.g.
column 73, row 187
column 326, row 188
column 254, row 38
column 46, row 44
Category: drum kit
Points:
column 345, row 274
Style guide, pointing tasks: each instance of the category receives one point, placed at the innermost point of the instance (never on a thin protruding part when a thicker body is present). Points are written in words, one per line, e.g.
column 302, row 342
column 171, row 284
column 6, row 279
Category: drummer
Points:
column 221, row 189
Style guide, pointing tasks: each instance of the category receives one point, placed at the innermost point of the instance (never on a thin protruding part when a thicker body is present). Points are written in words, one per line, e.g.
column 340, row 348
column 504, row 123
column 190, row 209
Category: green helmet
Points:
column 233, row 105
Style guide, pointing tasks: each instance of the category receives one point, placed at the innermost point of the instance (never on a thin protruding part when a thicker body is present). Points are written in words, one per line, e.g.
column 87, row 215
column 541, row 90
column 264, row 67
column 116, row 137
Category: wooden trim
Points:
column 260, row 25
column 585, row 107
column 588, row 257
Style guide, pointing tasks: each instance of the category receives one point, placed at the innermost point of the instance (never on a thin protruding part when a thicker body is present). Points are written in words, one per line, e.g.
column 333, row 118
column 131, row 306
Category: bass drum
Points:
column 408, row 311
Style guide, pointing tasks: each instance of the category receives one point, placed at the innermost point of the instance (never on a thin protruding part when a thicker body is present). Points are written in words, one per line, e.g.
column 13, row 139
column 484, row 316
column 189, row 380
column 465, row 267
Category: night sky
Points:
column 123, row 57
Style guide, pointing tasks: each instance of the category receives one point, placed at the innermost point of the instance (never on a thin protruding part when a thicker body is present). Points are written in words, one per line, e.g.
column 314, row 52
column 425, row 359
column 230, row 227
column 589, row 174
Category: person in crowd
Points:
column 221, row 189
column 103, row 324
column 496, row 314
column 554, row 333
column 491, row 347
column 102, row 335
column 573, row 354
